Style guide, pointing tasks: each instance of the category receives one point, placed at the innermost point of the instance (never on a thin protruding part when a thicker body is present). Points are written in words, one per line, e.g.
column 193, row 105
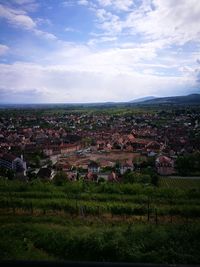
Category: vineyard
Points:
column 120, row 222
column 179, row 182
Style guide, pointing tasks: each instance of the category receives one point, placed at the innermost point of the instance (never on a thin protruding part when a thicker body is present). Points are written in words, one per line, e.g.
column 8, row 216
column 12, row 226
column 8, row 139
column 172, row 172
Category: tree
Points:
column 37, row 160
column 86, row 141
column 7, row 173
column 155, row 179
column 49, row 163
column 132, row 177
column 184, row 165
column 60, row 178
column 117, row 166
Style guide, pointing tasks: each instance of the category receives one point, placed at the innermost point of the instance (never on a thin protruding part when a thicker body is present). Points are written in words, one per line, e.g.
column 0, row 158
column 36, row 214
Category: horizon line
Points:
column 81, row 103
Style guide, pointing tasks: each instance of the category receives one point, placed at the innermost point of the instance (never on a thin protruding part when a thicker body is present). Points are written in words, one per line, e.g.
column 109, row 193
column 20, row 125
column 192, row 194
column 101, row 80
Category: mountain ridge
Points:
column 187, row 99
column 191, row 99
column 142, row 99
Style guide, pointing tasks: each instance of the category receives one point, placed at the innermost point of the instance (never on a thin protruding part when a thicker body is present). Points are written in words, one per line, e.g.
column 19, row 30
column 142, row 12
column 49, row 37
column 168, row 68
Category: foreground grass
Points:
column 50, row 239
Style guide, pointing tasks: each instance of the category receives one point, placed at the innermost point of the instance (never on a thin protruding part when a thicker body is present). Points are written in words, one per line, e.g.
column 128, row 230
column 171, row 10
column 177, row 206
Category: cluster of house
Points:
column 60, row 134
column 56, row 135
column 164, row 166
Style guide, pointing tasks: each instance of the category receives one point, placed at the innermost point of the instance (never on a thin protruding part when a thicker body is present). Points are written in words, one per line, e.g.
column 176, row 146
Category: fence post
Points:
column 31, row 208
column 156, row 216
column 148, row 211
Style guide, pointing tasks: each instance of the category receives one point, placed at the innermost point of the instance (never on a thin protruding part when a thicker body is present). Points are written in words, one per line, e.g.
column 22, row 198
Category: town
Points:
column 120, row 180
column 96, row 145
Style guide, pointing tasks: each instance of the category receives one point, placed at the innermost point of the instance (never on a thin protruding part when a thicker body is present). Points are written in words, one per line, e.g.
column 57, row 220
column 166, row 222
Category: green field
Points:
column 105, row 222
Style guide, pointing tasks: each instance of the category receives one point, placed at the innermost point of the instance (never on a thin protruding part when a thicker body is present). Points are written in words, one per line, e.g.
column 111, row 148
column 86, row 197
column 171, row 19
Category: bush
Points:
column 131, row 177
column 60, row 178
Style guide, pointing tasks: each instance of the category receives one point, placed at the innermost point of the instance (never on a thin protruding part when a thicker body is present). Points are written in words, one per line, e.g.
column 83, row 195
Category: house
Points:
column 72, row 175
column 68, row 148
column 139, row 144
column 153, row 146
column 100, row 145
column 91, row 176
column 11, row 162
column 164, row 165
column 48, row 151
column 131, row 137
column 127, row 166
column 93, row 167
column 151, row 154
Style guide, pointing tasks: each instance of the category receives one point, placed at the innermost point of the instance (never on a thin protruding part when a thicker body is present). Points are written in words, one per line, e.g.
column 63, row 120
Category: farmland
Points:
column 119, row 222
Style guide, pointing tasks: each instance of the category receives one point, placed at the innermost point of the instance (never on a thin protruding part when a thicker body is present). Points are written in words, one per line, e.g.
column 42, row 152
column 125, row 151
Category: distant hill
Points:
column 179, row 100
column 192, row 99
column 142, row 99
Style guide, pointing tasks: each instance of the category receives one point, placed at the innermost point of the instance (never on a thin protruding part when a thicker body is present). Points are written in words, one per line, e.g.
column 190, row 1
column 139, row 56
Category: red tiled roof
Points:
column 163, row 159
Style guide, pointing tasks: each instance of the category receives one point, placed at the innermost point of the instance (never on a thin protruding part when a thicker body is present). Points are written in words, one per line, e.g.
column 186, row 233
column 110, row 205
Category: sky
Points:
column 80, row 51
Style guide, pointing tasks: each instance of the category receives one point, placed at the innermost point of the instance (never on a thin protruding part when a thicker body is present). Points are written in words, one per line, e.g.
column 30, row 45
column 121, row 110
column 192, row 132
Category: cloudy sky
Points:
column 98, row 50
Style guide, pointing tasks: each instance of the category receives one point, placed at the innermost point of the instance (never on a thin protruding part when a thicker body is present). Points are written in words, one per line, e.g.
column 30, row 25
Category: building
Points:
column 11, row 162
column 127, row 166
column 164, row 165
column 153, row 147
column 93, row 167
column 69, row 148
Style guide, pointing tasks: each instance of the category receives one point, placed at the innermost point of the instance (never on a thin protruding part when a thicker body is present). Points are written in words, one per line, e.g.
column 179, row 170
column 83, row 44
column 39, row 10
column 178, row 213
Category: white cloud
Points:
column 45, row 35
column 170, row 22
column 114, row 65
column 28, row 5
column 80, row 74
column 3, row 49
column 102, row 39
column 122, row 5
column 18, row 18
column 22, row 2
column 70, row 29
column 68, row 3
column 108, row 22
column 59, row 84
column 175, row 21
column 83, row 2
column 110, row 60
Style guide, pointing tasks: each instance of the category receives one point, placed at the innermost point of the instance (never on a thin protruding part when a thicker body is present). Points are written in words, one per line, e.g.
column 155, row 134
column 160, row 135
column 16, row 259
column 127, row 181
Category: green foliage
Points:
column 188, row 165
column 60, row 178
column 134, row 177
column 155, row 179
column 7, row 173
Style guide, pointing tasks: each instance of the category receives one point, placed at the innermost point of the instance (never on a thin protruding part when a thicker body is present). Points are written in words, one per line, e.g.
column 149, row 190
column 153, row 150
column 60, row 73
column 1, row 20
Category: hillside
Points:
column 180, row 100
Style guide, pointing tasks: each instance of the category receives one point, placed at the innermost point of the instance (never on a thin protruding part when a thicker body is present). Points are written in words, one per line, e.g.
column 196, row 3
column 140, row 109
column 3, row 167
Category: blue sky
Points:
column 72, row 51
